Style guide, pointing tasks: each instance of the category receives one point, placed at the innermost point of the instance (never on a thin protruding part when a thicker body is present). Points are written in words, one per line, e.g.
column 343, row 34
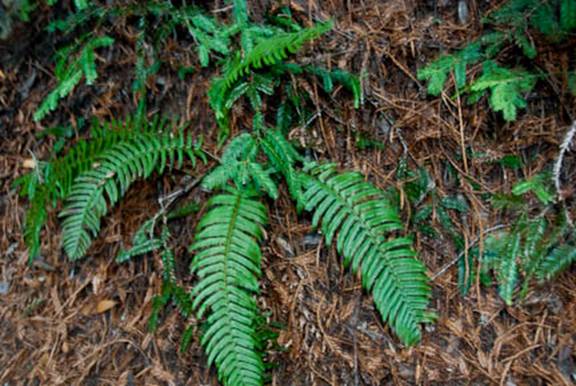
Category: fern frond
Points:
column 116, row 169
column 283, row 158
column 507, row 271
column 362, row 219
column 266, row 52
column 52, row 181
column 506, row 88
column 557, row 261
column 227, row 262
column 437, row 72
column 271, row 51
column 143, row 242
column 83, row 64
column 34, row 220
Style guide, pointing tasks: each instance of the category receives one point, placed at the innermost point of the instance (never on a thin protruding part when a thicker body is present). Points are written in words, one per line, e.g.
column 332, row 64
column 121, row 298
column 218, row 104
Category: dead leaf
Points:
column 105, row 305
column 29, row 163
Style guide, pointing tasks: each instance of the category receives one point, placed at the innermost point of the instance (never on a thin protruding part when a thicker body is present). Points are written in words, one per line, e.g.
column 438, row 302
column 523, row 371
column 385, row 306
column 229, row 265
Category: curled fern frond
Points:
column 361, row 219
column 227, row 263
column 115, row 171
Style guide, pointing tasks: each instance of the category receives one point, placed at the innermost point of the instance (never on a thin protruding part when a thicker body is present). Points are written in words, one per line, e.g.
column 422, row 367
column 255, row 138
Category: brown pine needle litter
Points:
column 85, row 323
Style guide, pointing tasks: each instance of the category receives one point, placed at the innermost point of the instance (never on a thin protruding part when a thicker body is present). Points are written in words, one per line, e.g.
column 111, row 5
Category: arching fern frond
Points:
column 116, row 170
column 361, row 219
column 52, row 181
column 227, row 263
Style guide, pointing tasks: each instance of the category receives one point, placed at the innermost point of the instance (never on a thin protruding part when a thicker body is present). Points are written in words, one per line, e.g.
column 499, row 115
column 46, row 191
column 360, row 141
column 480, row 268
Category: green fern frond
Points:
column 143, row 242
column 171, row 292
column 239, row 165
column 34, row 220
column 533, row 247
column 283, row 158
column 266, row 52
column 507, row 270
column 209, row 36
column 557, row 261
column 362, row 219
column 52, row 181
column 116, row 169
column 72, row 71
column 271, row 51
column 227, row 262
column 506, row 87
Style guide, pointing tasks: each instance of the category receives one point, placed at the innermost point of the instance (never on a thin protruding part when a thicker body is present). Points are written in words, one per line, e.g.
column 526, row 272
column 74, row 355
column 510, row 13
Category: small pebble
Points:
column 285, row 246
column 463, row 14
column 311, row 240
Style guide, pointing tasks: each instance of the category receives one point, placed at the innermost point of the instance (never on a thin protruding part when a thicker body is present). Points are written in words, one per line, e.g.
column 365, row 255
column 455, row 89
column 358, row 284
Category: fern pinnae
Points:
column 227, row 262
column 558, row 260
column 283, row 157
column 272, row 50
column 356, row 213
column 508, row 268
column 116, row 169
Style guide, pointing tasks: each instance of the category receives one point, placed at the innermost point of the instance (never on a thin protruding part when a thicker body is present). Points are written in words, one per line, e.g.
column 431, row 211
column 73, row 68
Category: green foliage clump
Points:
column 513, row 24
column 96, row 173
column 532, row 247
column 72, row 64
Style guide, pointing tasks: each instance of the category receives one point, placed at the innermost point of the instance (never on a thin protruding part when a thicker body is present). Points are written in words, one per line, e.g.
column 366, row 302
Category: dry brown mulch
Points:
column 85, row 323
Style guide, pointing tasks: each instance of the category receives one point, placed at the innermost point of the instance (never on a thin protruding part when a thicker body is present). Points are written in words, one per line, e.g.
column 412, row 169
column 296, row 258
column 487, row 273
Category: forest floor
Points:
column 85, row 322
